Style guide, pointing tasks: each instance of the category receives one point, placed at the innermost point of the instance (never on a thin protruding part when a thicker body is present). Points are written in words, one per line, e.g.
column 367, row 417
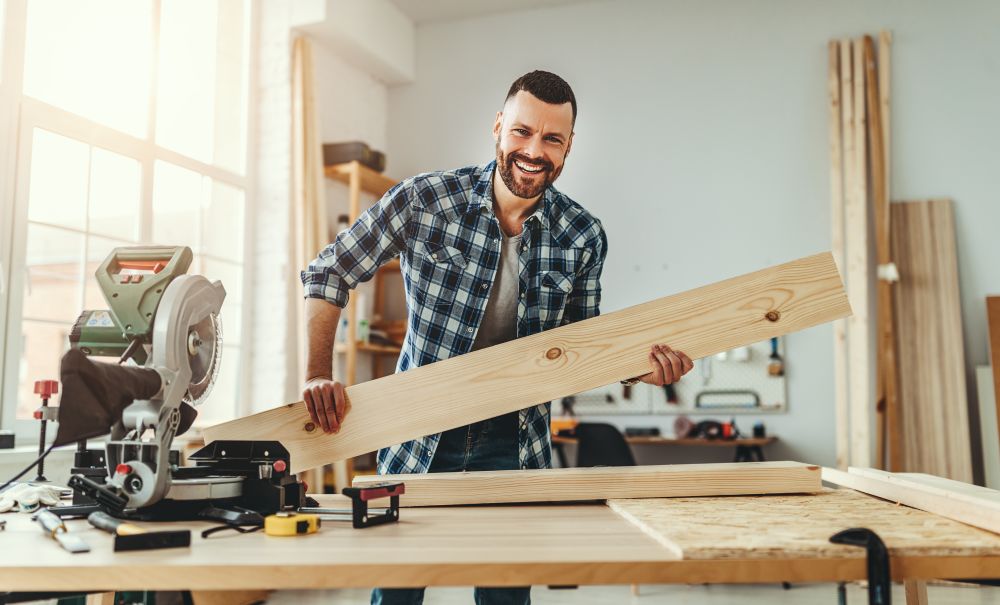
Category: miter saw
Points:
column 163, row 325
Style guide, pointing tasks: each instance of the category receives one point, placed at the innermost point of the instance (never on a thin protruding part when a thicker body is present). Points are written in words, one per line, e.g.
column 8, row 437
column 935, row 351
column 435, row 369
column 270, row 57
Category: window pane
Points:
column 42, row 346
column 92, row 59
column 57, row 193
column 52, row 284
column 201, row 94
column 114, row 195
column 221, row 403
column 223, row 219
column 177, row 196
column 98, row 249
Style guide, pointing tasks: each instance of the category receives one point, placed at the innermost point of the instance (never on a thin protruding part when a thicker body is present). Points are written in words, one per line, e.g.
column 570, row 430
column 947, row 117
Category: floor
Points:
column 804, row 594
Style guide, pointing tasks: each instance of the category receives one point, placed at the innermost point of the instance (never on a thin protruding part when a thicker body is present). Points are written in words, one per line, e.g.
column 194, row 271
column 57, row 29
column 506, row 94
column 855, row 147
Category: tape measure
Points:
column 290, row 524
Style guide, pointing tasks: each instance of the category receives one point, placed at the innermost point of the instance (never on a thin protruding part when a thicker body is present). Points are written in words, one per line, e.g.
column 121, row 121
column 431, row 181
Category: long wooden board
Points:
column 963, row 502
column 797, row 526
column 993, row 324
column 556, row 363
column 934, row 414
column 602, row 483
column 837, row 178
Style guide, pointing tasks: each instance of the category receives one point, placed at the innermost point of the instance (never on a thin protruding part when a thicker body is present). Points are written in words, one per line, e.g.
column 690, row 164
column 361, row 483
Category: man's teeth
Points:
column 528, row 168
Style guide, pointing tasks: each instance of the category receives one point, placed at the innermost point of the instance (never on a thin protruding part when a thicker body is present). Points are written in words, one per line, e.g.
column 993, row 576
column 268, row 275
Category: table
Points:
column 748, row 449
column 526, row 544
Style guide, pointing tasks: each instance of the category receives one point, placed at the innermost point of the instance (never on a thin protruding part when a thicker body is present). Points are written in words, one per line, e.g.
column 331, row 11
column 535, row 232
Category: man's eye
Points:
column 555, row 140
column 521, row 131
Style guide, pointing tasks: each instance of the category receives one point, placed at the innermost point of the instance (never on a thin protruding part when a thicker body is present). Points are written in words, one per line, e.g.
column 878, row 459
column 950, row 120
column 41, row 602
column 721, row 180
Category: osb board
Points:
column 933, row 399
column 555, row 363
column 798, row 526
column 602, row 483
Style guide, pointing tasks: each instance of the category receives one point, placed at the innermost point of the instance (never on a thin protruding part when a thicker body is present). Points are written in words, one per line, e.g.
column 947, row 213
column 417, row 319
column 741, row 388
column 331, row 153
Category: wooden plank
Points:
column 932, row 377
column 990, row 434
column 858, row 272
column 843, row 442
column 556, row 363
column 794, row 526
column 886, row 381
column 993, row 324
column 916, row 592
column 963, row 502
column 602, row 483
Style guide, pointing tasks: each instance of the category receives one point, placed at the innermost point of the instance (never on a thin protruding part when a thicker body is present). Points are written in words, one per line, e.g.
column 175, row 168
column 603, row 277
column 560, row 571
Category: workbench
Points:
column 737, row 539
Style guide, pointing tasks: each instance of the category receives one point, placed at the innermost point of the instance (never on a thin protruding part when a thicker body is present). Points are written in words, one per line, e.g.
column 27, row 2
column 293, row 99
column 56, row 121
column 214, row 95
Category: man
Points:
column 488, row 254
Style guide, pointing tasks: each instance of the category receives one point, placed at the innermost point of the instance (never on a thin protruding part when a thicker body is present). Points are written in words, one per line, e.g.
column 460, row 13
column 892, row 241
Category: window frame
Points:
column 20, row 115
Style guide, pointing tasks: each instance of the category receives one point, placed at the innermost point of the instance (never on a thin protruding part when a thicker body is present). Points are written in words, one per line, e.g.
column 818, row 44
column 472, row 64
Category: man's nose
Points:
column 533, row 149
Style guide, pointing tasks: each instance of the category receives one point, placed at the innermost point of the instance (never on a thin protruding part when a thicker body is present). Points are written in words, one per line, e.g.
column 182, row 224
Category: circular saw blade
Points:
column 204, row 353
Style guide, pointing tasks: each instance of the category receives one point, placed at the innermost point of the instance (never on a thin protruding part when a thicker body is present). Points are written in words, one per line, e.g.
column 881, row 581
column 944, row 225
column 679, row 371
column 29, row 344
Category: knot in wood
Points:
column 553, row 353
column 309, row 427
column 772, row 316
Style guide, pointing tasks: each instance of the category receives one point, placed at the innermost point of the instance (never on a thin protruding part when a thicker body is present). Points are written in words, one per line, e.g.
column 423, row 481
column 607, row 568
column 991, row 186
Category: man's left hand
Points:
column 668, row 366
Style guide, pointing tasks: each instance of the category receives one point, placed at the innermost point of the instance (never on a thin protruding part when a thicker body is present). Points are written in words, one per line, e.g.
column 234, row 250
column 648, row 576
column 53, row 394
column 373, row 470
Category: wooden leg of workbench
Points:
column 635, row 590
column 228, row 597
column 101, row 598
column 916, row 592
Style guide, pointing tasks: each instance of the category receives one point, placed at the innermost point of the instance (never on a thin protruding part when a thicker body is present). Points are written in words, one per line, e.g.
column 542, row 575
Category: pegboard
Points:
column 735, row 382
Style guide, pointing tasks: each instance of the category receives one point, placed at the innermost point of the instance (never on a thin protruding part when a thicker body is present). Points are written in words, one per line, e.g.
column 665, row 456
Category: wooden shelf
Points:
column 362, row 347
column 371, row 182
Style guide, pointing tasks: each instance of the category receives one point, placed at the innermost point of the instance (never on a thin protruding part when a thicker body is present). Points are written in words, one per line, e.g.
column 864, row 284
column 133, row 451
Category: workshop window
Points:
column 131, row 127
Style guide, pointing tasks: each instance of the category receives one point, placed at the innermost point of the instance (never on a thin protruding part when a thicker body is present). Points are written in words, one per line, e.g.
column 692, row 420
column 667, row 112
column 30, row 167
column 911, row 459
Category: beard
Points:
column 521, row 186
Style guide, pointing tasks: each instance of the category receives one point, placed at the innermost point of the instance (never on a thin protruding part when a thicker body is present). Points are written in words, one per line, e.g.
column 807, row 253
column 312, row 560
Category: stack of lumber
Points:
column 919, row 398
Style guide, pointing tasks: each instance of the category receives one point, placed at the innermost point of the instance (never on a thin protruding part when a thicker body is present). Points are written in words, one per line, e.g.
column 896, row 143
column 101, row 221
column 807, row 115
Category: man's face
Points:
column 533, row 139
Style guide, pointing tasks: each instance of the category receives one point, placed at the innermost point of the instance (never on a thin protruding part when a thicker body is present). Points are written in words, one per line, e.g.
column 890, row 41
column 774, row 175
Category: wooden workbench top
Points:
column 725, row 540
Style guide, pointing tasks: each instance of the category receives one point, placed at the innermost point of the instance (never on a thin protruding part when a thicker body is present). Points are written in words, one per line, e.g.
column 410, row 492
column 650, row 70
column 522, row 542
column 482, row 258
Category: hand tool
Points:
column 56, row 529
column 879, row 577
column 360, row 515
column 44, row 389
column 291, row 524
column 133, row 537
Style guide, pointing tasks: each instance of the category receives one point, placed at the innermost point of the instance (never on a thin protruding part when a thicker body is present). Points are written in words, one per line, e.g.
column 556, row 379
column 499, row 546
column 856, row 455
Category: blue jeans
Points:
column 490, row 445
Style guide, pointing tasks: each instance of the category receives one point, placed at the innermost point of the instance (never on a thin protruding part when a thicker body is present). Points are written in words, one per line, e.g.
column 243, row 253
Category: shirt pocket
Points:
column 439, row 275
column 555, row 288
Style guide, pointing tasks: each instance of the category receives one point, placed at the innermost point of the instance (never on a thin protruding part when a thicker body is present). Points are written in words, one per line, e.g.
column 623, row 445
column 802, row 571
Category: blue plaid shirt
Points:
column 442, row 227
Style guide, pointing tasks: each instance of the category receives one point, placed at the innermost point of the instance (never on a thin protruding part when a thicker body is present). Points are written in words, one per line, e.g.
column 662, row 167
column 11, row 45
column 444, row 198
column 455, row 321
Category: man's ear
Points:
column 496, row 126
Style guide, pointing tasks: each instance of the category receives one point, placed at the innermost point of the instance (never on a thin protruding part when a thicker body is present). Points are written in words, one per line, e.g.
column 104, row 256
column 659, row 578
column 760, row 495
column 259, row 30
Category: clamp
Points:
column 879, row 578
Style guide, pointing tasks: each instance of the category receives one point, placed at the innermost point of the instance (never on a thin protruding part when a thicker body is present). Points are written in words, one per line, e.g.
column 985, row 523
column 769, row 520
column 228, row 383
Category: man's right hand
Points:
column 326, row 403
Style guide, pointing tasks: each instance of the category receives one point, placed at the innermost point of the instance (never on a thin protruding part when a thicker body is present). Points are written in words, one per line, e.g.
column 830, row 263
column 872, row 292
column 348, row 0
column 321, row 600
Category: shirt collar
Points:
column 482, row 197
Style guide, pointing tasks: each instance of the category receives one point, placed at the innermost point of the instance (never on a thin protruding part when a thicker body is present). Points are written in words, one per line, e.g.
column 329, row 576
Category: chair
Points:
column 599, row 444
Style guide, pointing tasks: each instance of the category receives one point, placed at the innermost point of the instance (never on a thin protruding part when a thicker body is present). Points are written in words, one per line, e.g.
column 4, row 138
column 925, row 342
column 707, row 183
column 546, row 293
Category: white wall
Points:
column 702, row 142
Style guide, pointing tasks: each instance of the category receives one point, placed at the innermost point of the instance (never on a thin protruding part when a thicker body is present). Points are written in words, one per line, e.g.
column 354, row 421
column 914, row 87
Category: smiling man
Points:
column 488, row 253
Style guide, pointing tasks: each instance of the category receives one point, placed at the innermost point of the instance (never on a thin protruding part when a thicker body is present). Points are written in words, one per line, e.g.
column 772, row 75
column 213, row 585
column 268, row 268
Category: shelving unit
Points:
column 360, row 179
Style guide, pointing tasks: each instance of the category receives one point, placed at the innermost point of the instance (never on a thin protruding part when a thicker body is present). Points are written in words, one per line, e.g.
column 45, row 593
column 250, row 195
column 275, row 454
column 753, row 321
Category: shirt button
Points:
column 469, row 330
column 434, row 256
column 485, row 285
column 522, row 294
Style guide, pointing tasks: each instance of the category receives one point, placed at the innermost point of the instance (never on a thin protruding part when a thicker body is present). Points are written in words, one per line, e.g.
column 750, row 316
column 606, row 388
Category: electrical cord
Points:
column 27, row 470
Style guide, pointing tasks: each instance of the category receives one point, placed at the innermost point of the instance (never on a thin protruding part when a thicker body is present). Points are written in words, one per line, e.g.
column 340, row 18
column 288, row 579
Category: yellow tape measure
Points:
column 290, row 524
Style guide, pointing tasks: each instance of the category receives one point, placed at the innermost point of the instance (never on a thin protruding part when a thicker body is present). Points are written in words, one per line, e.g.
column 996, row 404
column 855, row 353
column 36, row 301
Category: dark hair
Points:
column 546, row 86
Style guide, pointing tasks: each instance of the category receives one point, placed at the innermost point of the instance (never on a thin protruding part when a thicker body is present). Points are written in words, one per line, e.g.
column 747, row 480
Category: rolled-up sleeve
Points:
column 356, row 254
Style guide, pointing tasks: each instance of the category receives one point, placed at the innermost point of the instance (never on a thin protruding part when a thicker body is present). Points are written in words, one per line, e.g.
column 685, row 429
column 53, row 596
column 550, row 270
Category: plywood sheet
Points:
column 556, row 363
column 797, row 526
column 602, row 483
column 933, row 399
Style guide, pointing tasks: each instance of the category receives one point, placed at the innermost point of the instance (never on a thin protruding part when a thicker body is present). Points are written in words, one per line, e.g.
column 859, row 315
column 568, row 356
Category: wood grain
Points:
column 837, row 176
column 556, row 363
column 886, row 380
column 798, row 526
column 934, row 414
column 858, row 270
column 963, row 502
column 993, row 323
column 602, row 483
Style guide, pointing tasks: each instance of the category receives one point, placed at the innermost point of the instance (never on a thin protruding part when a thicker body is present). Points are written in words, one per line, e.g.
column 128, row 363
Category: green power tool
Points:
column 134, row 281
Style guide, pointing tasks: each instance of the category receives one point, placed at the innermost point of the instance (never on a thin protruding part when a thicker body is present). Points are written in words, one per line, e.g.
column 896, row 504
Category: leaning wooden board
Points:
column 603, row 483
column 934, row 411
column 556, row 363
